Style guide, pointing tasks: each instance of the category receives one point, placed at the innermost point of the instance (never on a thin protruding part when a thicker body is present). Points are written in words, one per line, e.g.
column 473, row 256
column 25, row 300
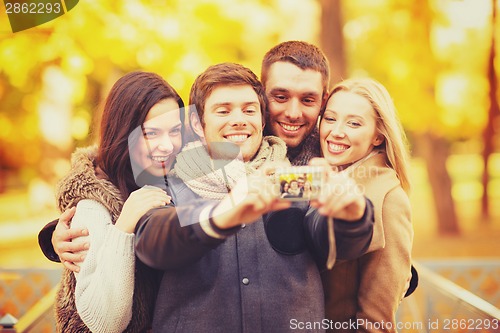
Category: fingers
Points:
column 156, row 199
column 146, row 198
column 335, row 205
column 71, row 266
column 62, row 236
column 152, row 195
column 341, row 198
column 73, row 248
column 149, row 188
column 66, row 217
column 348, row 207
column 66, row 250
column 280, row 205
column 72, row 257
column 62, row 240
column 139, row 203
column 267, row 199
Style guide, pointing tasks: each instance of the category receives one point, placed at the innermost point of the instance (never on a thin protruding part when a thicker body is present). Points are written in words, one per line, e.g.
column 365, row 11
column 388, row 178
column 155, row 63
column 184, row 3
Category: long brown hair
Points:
column 126, row 108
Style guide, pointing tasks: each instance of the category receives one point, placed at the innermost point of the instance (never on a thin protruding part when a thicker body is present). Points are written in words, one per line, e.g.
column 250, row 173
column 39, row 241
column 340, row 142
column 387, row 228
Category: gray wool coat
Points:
column 260, row 278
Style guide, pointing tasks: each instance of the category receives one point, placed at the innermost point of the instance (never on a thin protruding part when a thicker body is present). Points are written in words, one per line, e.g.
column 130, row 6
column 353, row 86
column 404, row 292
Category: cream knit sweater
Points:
column 105, row 283
column 104, row 288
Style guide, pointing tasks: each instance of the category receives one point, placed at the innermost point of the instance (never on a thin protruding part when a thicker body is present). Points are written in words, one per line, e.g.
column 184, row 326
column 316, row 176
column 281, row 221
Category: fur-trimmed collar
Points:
column 82, row 183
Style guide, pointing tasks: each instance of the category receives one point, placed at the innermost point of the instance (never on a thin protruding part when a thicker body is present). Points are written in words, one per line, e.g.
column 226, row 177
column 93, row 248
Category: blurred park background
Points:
column 436, row 57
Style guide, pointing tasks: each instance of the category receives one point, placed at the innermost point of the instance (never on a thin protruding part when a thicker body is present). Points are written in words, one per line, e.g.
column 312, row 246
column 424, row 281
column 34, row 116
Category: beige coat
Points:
column 371, row 287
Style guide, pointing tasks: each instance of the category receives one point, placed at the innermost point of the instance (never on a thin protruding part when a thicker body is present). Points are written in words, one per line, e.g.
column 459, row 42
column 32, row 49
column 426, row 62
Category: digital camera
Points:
column 299, row 183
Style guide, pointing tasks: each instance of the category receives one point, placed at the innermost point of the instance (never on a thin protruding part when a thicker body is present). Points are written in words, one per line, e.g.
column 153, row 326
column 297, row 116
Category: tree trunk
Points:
column 3, row 169
column 435, row 150
column 488, row 133
column 332, row 40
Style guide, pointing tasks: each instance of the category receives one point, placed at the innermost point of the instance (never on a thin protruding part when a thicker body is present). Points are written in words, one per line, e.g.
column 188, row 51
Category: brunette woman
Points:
column 140, row 135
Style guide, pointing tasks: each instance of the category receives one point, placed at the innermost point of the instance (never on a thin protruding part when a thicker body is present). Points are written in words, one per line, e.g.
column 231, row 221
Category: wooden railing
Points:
column 27, row 299
column 438, row 304
column 39, row 318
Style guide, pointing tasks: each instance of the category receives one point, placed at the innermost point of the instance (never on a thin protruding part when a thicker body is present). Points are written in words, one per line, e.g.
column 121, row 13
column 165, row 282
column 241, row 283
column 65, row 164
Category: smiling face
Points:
column 161, row 139
column 232, row 114
column 294, row 101
column 348, row 129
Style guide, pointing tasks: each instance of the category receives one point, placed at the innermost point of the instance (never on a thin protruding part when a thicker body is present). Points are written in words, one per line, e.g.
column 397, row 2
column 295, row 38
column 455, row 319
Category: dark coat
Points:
column 250, row 281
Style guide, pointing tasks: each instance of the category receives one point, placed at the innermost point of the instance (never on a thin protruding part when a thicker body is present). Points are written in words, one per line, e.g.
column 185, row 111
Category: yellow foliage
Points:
column 54, row 76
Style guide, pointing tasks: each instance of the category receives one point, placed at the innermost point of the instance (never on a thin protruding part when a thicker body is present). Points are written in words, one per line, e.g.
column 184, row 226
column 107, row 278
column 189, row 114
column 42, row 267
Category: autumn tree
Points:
column 53, row 77
column 332, row 39
column 493, row 114
column 430, row 59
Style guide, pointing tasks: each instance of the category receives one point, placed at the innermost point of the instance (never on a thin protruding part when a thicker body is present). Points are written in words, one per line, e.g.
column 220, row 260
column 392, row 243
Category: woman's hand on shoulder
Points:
column 139, row 203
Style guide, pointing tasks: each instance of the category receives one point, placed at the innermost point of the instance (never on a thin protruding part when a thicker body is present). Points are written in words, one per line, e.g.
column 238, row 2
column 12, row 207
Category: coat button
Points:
column 245, row 281
column 243, row 226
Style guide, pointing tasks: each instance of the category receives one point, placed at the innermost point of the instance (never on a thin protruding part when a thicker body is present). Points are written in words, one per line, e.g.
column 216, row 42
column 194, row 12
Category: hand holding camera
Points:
column 300, row 183
column 333, row 193
column 340, row 197
column 251, row 197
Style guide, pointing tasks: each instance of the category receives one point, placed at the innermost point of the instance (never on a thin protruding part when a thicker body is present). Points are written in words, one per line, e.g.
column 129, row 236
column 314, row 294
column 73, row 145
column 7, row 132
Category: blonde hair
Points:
column 388, row 123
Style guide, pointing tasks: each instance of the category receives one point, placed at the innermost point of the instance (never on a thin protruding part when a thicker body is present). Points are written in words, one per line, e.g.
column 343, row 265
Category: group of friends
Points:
column 173, row 225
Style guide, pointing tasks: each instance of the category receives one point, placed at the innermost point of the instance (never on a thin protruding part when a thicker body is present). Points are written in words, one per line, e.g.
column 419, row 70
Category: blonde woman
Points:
column 361, row 135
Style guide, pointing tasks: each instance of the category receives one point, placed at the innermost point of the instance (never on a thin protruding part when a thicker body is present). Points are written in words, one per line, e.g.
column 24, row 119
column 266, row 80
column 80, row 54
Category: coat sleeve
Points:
column 385, row 272
column 45, row 241
column 173, row 237
column 105, row 283
column 352, row 238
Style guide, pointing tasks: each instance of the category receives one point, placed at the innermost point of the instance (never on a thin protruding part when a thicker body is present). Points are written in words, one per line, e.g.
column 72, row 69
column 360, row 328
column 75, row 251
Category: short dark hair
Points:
column 127, row 105
column 302, row 55
column 224, row 74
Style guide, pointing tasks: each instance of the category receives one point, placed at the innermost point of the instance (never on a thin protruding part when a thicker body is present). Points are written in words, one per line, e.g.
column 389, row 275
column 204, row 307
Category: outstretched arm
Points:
column 172, row 237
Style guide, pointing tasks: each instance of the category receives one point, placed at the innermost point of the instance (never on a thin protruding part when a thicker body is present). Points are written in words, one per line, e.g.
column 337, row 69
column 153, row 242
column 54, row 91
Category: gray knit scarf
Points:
column 213, row 179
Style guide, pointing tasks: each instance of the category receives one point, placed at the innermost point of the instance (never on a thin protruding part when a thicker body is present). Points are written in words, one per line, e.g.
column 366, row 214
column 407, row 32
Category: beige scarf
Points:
column 331, row 233
column 212, row 178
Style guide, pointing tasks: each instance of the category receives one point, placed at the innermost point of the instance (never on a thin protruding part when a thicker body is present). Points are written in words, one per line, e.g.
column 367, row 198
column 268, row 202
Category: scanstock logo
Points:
column 28, row 14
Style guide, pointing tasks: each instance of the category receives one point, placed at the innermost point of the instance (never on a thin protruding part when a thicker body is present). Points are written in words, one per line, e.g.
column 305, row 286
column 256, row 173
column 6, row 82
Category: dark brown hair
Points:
column 224, row 74
column 302, row 55
column 126, row 108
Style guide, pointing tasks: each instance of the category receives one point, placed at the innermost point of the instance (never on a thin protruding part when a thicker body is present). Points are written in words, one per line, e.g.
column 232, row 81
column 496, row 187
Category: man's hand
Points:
column 250, row 198
column 340, row 196
column 69, row 253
